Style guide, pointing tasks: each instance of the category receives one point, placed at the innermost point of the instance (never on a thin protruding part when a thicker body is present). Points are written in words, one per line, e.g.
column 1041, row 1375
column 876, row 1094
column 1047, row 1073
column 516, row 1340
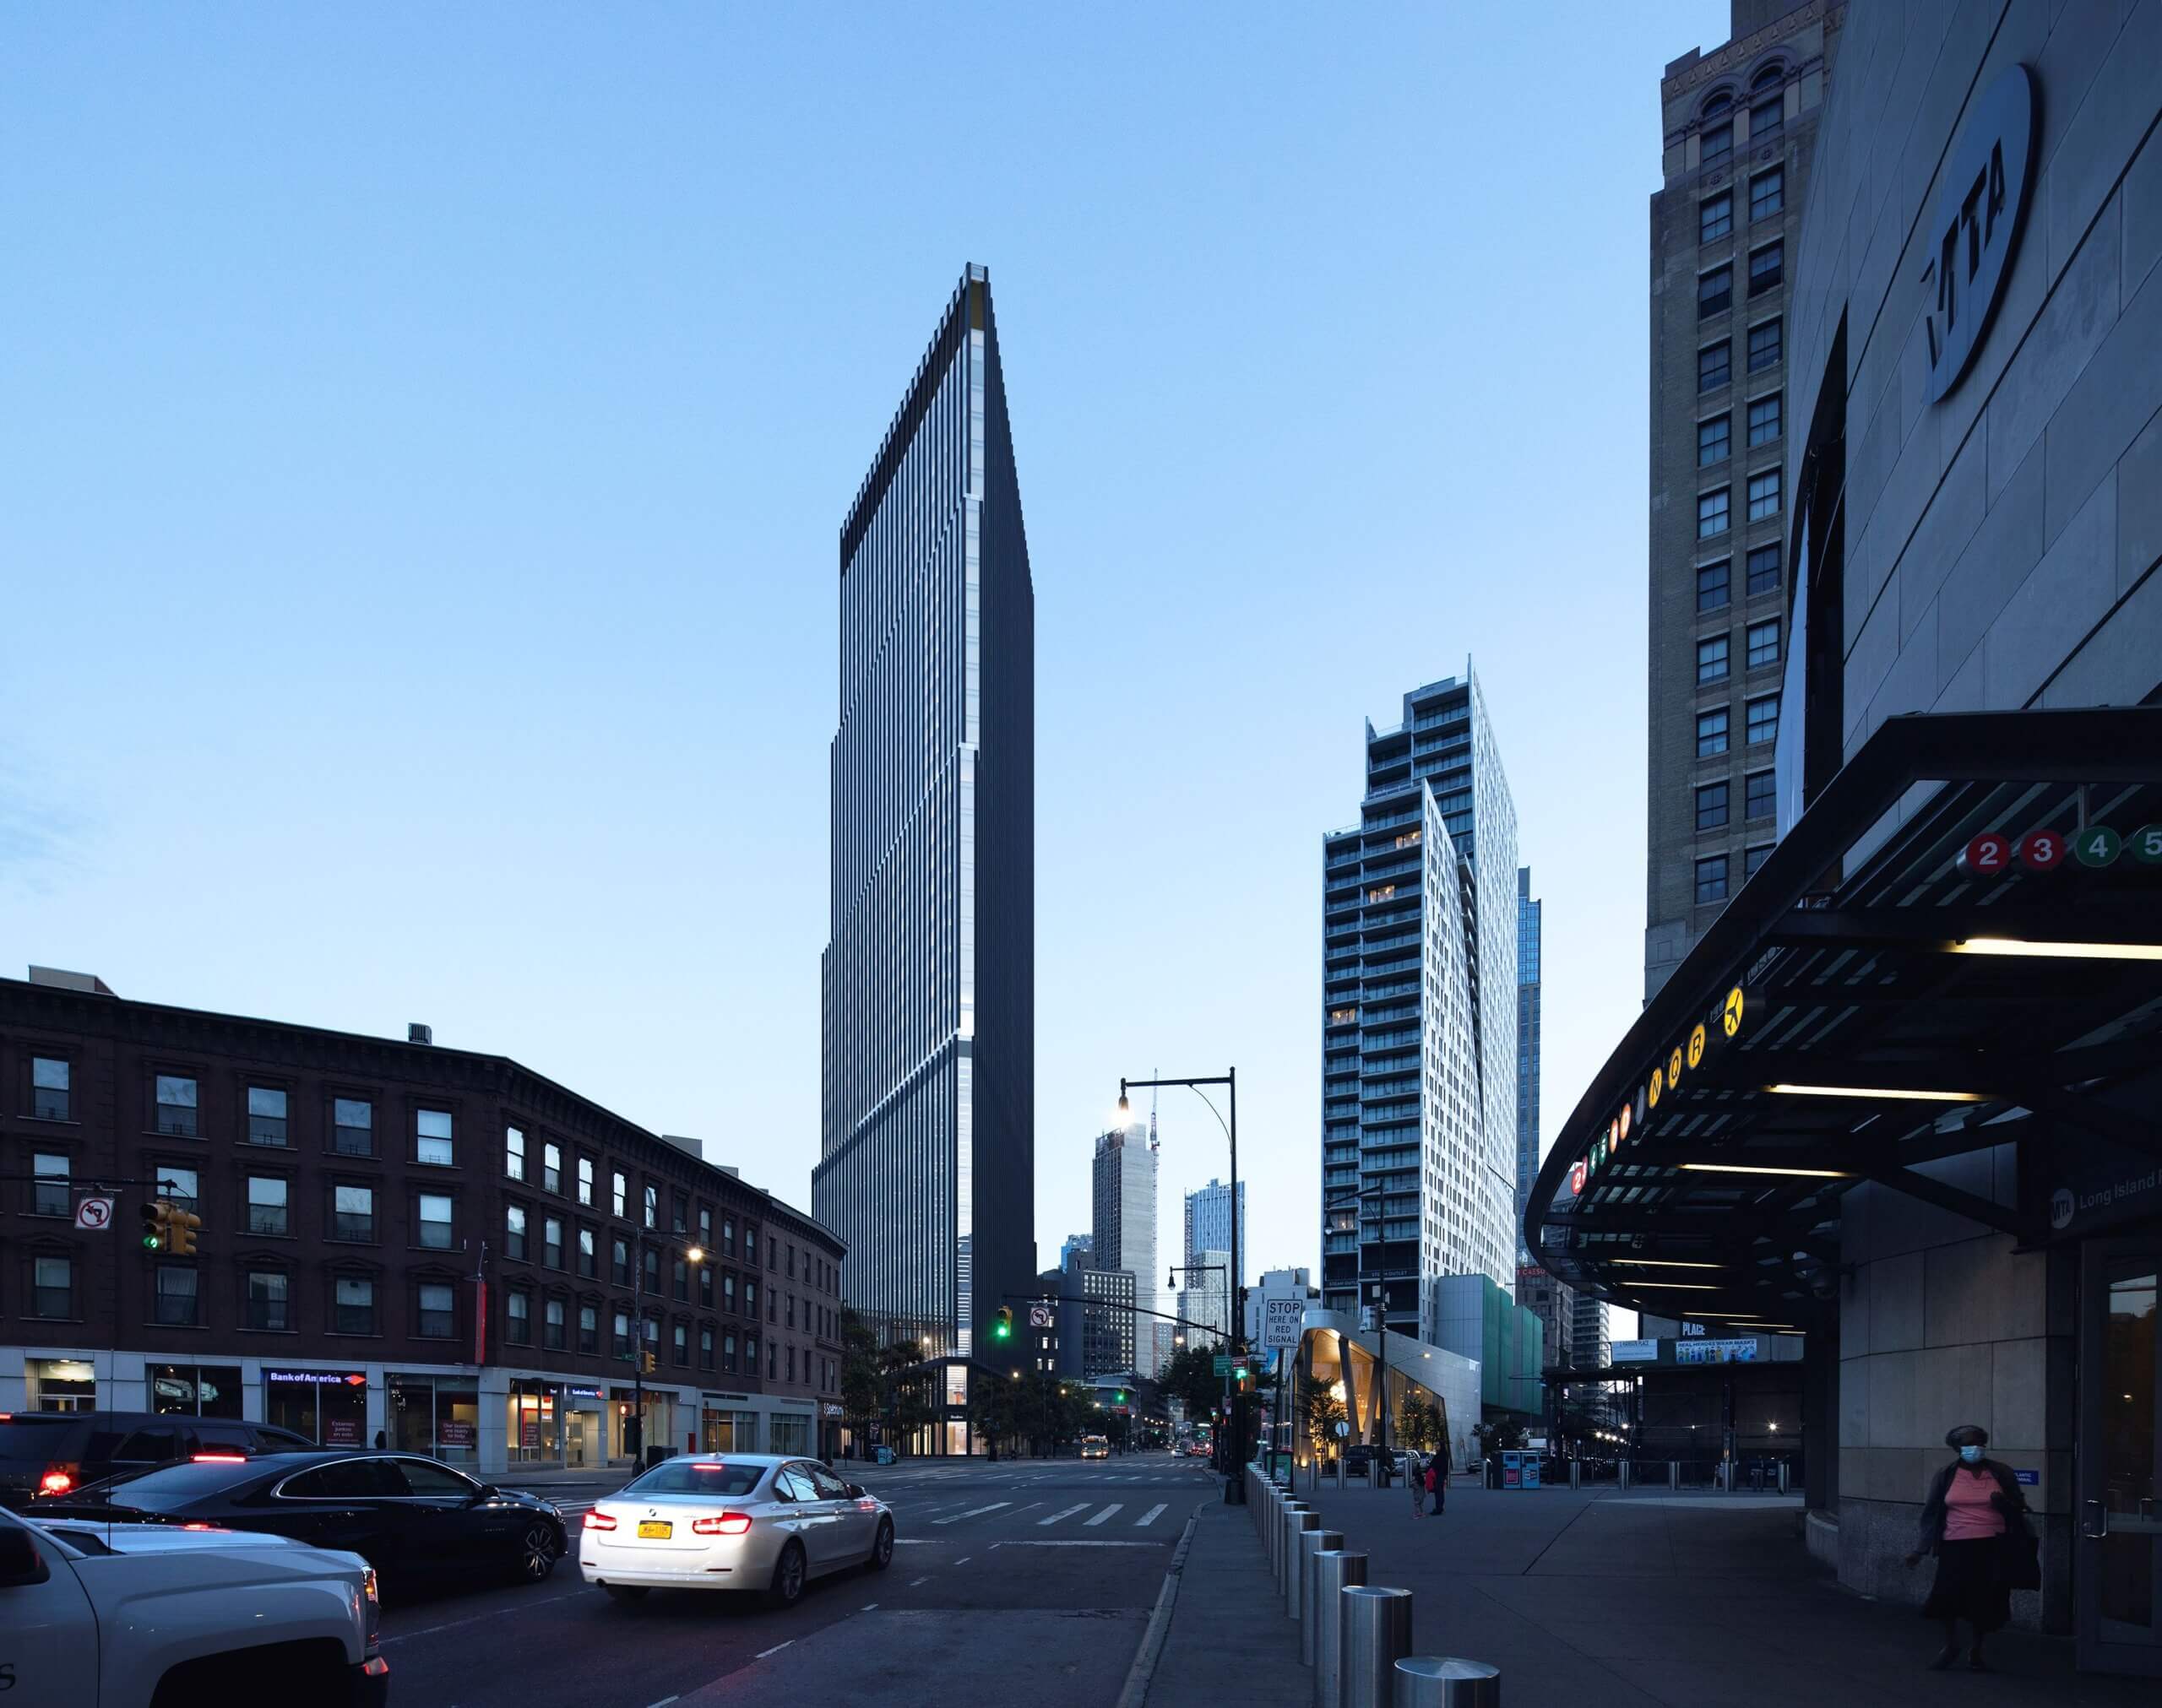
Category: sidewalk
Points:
column 1230, row 1638
column 1650, row 1601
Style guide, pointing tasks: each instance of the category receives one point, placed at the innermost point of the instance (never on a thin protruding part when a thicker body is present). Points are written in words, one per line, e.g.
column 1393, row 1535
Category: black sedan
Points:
column 407, row 1516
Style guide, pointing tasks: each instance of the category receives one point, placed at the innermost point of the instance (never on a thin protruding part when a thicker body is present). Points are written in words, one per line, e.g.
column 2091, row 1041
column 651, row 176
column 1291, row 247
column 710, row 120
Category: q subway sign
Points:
column 1974, row 230
column 1702, row 1043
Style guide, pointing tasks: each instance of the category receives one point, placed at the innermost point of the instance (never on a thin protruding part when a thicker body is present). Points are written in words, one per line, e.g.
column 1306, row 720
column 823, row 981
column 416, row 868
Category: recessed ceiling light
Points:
column 2065, row 951
column 1875, row 1092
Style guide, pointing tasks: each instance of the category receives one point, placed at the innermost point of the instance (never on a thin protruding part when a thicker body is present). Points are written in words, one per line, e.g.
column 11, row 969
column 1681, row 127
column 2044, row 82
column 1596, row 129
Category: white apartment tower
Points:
column 1419, row 1014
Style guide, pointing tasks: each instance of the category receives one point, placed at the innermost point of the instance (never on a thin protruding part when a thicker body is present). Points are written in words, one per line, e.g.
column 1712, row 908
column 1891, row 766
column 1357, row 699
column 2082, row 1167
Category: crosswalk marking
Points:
column 1102, row 1515
column 978, row 1513
column 1068, row 1513
column 1150, row 1515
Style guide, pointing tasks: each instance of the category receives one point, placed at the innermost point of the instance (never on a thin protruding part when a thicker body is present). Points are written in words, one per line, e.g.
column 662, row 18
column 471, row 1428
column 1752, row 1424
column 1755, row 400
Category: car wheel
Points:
column 536, row 1553
column 789, row 1574
column 625, row 1592
column 881, row 1550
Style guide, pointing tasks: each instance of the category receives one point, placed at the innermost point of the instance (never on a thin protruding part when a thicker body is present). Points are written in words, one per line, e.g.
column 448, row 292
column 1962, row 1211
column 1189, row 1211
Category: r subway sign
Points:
column 1981, row 203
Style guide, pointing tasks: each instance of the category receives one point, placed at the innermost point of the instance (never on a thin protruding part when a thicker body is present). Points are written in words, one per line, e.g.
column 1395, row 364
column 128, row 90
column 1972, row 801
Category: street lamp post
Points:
column 1235, row 1485
column 1343, row 1218
column 694, row 1254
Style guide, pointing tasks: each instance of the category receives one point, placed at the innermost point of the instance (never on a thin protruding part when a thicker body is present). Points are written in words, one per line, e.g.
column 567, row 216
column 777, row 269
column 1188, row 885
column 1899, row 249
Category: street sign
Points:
column 1040, row 1316
column 94, row 1215
column 1283, row 1320
column 1223, row 1364
column 1343, row 1428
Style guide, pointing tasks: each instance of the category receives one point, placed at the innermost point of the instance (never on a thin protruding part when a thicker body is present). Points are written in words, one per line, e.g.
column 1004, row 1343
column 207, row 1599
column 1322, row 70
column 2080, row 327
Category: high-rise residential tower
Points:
column 1418, row 1013
column 928, row 1060
column 1209, row 1220
column 1737, row 124
column 1124, row 1235
column 1528, row 917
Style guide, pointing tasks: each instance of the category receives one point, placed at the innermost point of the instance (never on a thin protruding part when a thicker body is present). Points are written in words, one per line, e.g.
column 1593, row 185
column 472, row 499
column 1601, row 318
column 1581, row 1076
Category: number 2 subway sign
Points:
column 1689, row 1054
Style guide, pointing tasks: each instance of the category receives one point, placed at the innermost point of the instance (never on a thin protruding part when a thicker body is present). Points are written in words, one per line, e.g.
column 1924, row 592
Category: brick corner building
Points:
column 433, row 1245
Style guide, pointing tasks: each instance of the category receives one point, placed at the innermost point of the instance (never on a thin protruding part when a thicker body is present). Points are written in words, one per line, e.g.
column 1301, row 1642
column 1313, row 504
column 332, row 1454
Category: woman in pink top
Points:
column 1975, row 1521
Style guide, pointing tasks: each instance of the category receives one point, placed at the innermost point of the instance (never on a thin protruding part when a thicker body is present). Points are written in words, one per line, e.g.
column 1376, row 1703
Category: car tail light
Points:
column 200, row 1526
column 58, row 1479
column 599, row 1520
column 728, row 1524
column 374, row 1603
column 219, row 1458
column 375, row 1667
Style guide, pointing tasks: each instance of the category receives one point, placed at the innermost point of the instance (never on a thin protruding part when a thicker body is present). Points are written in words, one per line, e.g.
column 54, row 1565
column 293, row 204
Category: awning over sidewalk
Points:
column 1957, row 947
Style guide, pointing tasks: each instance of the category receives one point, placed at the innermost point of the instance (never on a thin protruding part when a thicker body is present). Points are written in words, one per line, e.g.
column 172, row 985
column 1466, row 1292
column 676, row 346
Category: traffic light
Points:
column 648, row 1363
column 157, row 1224
column 181, row 1227
column 1001, row 1324
column 1121, row 1397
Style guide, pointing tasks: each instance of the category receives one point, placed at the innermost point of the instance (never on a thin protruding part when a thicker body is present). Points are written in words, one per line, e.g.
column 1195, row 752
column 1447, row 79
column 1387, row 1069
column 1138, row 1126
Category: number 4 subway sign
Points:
column 2094, row 846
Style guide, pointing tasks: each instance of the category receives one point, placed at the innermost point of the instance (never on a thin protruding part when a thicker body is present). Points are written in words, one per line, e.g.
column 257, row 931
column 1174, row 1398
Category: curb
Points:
column 1151, row 1650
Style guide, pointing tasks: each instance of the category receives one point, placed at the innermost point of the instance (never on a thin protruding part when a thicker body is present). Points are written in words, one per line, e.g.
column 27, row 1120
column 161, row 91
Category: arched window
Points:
column 1770, row 76
column 1716, row 104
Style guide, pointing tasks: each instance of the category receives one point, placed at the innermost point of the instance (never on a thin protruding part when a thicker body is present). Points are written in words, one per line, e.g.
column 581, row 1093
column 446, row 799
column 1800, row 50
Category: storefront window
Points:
column 330, row 1407
column 203, row 1390
column 61, row 1384
column 791, row 1432
column 437, row 1415
column 730, row 1432
column 534, row 1421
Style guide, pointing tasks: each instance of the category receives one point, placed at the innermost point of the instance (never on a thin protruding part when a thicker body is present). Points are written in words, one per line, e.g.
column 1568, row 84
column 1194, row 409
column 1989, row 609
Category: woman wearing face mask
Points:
column 1975, row 1521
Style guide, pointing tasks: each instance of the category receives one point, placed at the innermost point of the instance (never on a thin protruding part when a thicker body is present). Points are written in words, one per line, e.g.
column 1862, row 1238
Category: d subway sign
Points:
column 1974, row 232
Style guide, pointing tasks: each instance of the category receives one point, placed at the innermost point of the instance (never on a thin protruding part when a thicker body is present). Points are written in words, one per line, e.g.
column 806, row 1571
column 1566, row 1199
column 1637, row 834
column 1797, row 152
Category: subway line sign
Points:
column 1688, row 1054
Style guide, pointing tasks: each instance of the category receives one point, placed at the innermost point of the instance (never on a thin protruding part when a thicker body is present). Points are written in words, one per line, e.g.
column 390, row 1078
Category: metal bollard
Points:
column 1674, row 1474
column 1621, row 1475
column 1291, row 1509
column 1334, row 1576
column 1311, row 1546
column 1300, row 1526
column 1576, row 1473
column 1377, row 1635
column 1442, row 1681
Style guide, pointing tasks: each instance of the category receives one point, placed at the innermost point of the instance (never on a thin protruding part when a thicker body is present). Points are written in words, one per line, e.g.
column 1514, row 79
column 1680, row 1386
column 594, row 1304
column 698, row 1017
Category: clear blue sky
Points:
column 428, row 430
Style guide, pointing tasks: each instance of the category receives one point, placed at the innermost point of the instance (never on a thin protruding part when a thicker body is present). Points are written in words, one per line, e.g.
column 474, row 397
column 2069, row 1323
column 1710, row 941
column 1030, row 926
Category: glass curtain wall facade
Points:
column 1528, row 912
column 1419, row 1021
column 927, row 1164
column 1124, row 1232
column 1209, row 1220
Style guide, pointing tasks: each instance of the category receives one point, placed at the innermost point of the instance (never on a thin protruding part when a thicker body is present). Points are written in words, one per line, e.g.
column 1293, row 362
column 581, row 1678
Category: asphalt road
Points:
column 1042, row 1570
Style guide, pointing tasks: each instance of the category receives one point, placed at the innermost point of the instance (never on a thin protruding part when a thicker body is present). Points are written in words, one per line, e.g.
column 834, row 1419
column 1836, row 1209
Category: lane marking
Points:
column 775, row 1650
column 1102, row 1515
column 920, row 1580
column 868, row 1606
column 964, row 1560
column 455, row 1624
column 914, row 1541
column 1151, row 1515
column 663, row 1702
column 1068, row 1513
column 1081, row 1542
column 978, row 1513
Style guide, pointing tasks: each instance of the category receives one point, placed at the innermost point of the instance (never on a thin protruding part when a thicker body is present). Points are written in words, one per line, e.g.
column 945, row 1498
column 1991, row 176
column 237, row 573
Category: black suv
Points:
column 55, row 1452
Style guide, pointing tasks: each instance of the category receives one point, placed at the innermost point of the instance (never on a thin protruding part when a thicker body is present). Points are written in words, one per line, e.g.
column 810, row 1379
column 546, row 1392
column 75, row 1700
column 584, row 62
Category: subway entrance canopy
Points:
column 1956, row 949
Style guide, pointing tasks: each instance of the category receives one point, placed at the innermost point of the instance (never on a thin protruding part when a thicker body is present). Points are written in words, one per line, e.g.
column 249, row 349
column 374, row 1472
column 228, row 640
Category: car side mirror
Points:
column 20, row 1563
column 855, row 1491
column 487, row 1491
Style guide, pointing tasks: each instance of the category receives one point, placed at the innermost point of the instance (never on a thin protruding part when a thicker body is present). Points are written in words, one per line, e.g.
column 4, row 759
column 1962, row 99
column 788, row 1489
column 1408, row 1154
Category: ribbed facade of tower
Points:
column 927, row 983
column 1124, row 1232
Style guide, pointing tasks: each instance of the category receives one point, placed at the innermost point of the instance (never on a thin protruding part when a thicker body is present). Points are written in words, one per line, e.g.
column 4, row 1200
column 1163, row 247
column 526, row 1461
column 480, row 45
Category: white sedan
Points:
column 732, row 1521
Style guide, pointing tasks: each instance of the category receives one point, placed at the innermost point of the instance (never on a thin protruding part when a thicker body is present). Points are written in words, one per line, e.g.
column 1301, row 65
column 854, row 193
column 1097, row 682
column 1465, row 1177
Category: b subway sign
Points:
column 1981, row 203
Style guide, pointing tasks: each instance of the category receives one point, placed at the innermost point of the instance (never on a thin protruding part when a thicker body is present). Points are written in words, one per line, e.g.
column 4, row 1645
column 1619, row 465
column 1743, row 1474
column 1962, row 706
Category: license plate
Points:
column 655, row 1530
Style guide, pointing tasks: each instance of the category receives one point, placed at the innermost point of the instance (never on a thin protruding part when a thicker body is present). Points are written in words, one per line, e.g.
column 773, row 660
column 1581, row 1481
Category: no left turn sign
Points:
column 94, row 1214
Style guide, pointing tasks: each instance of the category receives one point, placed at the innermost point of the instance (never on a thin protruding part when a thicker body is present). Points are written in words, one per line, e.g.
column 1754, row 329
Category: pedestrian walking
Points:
column 1437, row 1476
column 1416, row 1483
column 1975, row 1521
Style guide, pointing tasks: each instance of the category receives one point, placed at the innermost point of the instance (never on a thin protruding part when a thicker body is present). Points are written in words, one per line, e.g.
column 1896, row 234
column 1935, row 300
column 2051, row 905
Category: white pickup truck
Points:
column 152, row 1616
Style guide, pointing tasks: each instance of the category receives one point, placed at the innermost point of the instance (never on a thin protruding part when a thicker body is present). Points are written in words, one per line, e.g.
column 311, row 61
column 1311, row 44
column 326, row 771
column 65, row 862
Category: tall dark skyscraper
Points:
column 927, row 1164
